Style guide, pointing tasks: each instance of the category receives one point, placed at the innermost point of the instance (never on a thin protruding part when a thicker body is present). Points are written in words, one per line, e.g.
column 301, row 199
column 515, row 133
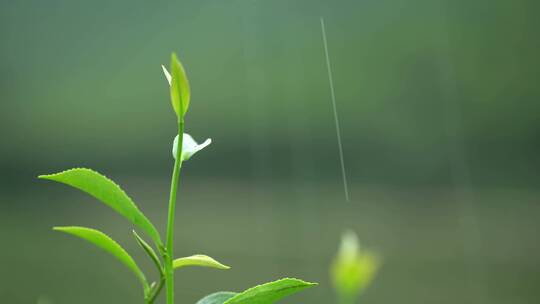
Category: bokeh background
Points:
column 440, row 120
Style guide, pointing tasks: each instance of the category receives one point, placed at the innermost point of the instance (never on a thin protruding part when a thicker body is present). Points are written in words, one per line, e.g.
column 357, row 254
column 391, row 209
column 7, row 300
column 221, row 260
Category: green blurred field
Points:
column 268, row 231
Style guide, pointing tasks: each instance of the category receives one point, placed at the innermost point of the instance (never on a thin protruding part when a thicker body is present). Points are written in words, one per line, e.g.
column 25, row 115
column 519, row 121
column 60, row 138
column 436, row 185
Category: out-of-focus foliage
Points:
column 353, row 268
column 416, row 82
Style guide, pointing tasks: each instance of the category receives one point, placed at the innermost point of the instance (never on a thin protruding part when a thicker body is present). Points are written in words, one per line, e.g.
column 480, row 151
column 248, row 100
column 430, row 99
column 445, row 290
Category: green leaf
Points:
column 198, row 260
column 217, row 298
column 108, row 192
column 267, row 293
column 104, row 242
column 270, row 292
column 148, row 249
column 180, row 91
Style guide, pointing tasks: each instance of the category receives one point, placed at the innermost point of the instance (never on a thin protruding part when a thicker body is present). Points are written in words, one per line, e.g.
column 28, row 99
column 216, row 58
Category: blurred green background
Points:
column 440, row 120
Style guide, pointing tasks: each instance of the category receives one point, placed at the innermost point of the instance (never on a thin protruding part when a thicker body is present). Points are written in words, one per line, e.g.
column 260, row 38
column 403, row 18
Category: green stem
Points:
column 169, row 255
column 156, row 291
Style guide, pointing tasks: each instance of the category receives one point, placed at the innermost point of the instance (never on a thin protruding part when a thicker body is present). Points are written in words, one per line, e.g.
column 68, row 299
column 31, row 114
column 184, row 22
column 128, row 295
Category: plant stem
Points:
column 168, row 258
column 156, row 291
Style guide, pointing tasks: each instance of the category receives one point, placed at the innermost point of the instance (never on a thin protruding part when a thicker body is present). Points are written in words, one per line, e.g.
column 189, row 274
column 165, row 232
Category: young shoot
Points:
column 161, row 251
column 353, row 269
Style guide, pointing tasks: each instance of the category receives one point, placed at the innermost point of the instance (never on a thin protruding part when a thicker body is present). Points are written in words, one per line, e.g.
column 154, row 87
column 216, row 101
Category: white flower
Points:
column 189, row 146
column 167, row 74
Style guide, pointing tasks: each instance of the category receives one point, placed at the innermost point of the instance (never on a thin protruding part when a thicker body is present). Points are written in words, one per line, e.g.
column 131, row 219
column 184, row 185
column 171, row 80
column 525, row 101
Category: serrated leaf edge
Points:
column 304, row 283
column 51, row 177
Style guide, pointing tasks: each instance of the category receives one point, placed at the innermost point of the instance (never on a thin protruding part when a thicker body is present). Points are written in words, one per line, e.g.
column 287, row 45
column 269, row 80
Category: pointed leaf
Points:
column 180, row 91
column 198, row 260
column 217, row 298
column 148, row 249
column 104, row 242
column 108, row 192
column 269, row 292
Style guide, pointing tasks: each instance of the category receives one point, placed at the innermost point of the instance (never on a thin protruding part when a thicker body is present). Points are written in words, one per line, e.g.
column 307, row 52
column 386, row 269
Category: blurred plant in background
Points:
column 353, row 269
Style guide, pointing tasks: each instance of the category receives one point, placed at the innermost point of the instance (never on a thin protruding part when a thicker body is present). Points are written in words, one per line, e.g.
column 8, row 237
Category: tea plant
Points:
column 162, row 253
column 353, row 269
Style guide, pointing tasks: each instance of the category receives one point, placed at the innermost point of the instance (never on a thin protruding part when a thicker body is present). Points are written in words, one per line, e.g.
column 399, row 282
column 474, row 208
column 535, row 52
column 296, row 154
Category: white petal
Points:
column 189, row 146
column 198, row 148
column 167, row 75
column 188, row 143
